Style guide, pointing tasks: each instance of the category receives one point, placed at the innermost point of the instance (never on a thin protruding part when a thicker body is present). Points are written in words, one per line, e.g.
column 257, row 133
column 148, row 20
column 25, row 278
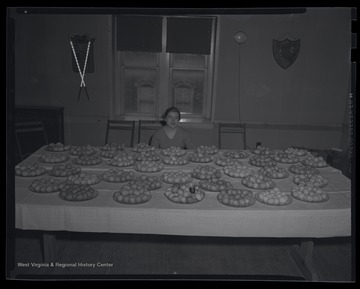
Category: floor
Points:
column 152, row 256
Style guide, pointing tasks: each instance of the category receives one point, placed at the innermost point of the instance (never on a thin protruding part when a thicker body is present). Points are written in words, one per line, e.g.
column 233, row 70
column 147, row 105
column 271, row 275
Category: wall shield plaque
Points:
column 286, row 51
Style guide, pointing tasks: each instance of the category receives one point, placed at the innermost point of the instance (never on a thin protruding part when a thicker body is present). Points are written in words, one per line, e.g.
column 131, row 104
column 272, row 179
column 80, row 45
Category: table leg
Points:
column 49, row 247
column 302, row 256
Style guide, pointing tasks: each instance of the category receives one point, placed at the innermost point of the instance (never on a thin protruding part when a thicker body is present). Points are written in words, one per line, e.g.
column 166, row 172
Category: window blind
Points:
column 139, row 33
column 189, row 35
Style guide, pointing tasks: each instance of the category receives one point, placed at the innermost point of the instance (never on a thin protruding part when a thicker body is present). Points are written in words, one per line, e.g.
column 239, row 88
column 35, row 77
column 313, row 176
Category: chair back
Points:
column 29, row 136
column 147, row 128
column 233, row 128
column 126, row 125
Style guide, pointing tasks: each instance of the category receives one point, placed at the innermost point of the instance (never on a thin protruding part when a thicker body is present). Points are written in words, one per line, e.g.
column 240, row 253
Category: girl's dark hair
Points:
column 170, row 109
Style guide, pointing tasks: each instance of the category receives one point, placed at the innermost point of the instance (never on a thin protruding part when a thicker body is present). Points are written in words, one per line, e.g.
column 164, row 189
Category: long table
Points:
column 49, row 213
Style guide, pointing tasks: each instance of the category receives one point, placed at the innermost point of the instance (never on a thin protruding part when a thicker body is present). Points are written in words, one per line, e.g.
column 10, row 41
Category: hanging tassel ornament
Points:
column 81, row 73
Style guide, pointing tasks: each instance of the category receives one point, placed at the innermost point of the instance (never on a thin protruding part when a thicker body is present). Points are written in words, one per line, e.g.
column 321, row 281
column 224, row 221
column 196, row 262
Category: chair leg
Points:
column 219, row 138
column 139, row 133
column 19, row 148
column 106, row 136
column 132, row 137
column 45, row 137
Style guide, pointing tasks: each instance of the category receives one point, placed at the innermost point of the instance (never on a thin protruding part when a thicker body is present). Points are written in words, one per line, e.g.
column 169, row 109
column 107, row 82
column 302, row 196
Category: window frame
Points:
column 164, row 76
column 121, row 75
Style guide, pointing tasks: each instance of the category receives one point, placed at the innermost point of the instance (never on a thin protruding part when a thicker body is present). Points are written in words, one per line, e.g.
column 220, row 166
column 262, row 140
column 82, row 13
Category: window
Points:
column 139, row 82
column 167, row 63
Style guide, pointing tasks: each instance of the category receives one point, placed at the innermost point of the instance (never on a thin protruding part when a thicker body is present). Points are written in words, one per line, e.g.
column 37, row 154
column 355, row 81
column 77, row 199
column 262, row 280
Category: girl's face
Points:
column 172, row 119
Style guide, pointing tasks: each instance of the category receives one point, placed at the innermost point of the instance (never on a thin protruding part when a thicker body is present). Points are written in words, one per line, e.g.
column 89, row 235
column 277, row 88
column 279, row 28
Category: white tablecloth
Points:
column 206, row 218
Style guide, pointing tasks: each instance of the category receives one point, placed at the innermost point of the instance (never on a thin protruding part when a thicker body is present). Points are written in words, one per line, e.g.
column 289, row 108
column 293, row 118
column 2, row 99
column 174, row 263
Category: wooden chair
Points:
column 127, row 125
column 29, row 136
column 237, row 128
column 150, row 126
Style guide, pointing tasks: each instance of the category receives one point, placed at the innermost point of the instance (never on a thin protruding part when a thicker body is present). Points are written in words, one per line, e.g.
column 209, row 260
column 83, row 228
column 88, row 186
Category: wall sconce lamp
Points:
column 240, row 37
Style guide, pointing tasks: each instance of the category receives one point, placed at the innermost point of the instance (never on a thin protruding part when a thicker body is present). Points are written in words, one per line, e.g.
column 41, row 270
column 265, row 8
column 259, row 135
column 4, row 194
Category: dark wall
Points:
column 312, row 91
column 44, row 74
